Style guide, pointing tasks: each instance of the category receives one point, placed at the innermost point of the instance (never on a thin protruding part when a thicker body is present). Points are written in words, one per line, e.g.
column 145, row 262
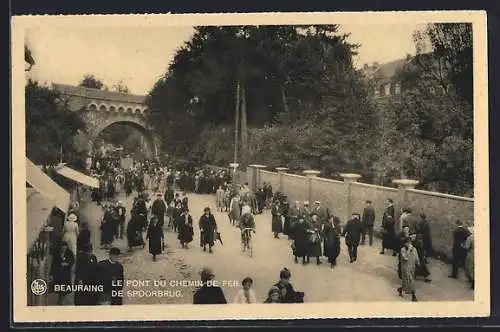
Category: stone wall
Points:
column 271, row 178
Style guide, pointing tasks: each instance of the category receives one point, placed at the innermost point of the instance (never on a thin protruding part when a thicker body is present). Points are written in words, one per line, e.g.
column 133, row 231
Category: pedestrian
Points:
column 331, row 238
column 469, row 258
column 287, row 292
column 208, row 293
column 208, row 229
column 273, row 295
column 155, row 237
column 409, row 261
column 185, row 229
column 134, row 232
column 70, row 232
column 300, row 242
column 368, row 220
column 314, row 243
column 62, row 263
column 85, row 274
column 389, row 238
column 421, row 270
column 246, row 294
column 106, row 228
column 110, row 274
column 424, row 230
column 83, row 236
column 219, row 196
column 122, row 212
column 276, row 224
column 159, row 209
column 234, row 210
column 460, row 235
column 352, row 233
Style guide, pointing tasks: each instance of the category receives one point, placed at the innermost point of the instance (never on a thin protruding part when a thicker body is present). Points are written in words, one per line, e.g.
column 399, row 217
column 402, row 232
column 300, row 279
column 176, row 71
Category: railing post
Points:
column 349, row 178
column 255, row 176
column 281, row 175
column 403, row 186
column 310, row 174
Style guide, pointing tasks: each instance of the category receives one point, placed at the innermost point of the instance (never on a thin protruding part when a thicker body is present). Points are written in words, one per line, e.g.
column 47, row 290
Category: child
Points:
column 246, row 294
column 273, row 295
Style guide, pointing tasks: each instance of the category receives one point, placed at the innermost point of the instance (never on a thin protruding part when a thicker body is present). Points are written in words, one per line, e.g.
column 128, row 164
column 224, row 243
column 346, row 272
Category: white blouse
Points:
column 241, row 298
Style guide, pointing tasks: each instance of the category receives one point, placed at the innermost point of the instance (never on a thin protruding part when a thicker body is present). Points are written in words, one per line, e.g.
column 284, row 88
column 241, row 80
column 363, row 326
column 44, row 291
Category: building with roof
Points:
column 383, row 77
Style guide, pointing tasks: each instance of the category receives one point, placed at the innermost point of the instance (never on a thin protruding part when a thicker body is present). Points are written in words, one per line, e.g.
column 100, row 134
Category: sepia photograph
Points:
column 333, row 163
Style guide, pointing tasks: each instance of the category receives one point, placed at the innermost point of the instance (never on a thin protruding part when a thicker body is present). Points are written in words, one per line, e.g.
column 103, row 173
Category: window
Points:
column 397, row 88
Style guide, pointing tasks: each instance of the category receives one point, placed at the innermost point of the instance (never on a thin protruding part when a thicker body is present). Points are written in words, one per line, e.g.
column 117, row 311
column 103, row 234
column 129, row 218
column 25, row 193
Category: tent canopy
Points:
column 39, row 207
column 45, row 185
column 78, row 176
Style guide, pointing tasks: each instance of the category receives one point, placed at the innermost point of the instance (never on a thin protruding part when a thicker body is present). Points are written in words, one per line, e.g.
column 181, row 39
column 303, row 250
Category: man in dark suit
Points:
column 352, row 233
column 159, row 209
column 208, row 293
column 460, row 235
column 368, row 220
column 111, row 276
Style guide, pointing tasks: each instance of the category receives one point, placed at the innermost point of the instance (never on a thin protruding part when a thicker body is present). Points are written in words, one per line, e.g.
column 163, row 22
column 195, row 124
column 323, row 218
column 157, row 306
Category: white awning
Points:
column 78, row 176
column 39, row 207
column 45, row 185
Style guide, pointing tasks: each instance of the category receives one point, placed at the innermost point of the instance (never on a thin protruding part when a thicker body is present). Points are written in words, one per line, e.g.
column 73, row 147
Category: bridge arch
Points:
column 132, row 122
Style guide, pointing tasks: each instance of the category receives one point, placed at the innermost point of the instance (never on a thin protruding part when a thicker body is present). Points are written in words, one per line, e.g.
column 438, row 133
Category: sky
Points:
column 139, row 56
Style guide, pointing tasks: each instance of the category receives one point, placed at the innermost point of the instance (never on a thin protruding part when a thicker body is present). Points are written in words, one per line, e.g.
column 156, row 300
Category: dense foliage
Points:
column 303, row 105
column 50, row 127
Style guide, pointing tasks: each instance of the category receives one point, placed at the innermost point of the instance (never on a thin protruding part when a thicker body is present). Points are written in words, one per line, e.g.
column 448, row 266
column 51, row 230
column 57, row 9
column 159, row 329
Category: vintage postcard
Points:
column 250, row 166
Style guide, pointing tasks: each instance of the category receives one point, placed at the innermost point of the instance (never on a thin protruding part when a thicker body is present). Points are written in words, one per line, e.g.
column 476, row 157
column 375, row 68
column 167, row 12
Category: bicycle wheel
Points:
column 250, row 245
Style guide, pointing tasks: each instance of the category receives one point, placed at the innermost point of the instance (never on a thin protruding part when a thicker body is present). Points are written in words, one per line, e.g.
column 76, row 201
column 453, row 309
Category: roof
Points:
column 80, row 91
column 386, row 70
column 45, row 185
column 78, row 176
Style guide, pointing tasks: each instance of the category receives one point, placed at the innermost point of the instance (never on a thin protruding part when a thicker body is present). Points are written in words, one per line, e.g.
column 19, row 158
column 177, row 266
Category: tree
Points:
column 430, row 126
column 120, row 87
column 90, row 81
column 50, row 126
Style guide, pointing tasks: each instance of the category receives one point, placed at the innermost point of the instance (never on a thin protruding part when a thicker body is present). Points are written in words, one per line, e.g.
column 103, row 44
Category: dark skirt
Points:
column 300, row 247
column 185, row 234
column 276, row 225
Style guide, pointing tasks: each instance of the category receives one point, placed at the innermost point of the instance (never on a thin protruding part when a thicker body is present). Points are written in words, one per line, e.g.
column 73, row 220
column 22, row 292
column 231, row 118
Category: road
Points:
column 372, row 278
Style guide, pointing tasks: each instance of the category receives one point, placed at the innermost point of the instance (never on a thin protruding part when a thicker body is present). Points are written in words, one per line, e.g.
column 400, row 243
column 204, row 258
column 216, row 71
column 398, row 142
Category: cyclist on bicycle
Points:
column 246, row 221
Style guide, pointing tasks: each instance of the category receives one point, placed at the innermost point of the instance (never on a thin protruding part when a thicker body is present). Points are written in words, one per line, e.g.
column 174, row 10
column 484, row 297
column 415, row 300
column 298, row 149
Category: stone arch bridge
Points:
column 101, row 109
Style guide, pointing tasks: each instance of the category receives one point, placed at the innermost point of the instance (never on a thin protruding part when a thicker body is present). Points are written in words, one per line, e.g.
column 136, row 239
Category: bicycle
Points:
column 247, row 239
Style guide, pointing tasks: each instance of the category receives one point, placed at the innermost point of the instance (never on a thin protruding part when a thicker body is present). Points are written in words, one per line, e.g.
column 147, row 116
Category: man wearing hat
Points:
column 208, row 229
column 121, row 217
column 159, row 209
column 111, row 276
column 460, row 235
column 305, row 211
column 352, row 233
column 208, row 293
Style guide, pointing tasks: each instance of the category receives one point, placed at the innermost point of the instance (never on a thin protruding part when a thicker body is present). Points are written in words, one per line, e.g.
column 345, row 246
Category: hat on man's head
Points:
column 206, row 209
column 306, row 202
column 207, row 273
column 317, row 202
column 114, row 251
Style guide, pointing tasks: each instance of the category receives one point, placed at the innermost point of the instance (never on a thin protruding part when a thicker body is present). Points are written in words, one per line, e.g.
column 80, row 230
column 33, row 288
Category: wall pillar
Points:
column 349, row 178
column 281, row 174
column 234, row 168
column 310, row 174
column 255, row 176
column 403, row 186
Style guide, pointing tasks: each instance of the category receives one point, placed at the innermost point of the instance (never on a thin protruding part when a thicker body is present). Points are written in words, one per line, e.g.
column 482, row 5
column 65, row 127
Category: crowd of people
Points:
column 315, row 232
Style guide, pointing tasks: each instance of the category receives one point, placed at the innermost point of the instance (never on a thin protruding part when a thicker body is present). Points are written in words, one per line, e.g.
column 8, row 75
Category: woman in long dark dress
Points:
column 155, row 237
column 300, row 242
column 208, row 229
column 85, row 274
column 62, row 262
column 389, row 238
column 134, row 232
column 83, row 237
column 421, row 270
column 185, row 223
column 276, row 225
column 331, row 237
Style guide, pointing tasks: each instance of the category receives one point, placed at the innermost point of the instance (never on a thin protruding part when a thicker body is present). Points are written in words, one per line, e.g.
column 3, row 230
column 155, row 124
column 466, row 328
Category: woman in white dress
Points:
column 71, row 232
column 246, row 294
